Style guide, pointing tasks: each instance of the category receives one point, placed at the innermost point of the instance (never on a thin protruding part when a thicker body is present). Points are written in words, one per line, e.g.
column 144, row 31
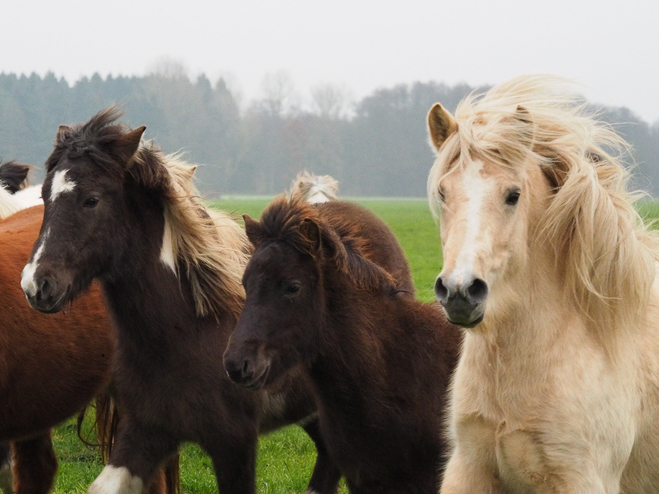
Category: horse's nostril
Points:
column 477, row 291
column 245, row 369
column 441, row 292
column 45, row 288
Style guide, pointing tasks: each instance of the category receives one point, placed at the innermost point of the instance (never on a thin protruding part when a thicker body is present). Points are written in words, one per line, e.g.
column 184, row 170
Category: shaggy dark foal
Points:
column 380, row 364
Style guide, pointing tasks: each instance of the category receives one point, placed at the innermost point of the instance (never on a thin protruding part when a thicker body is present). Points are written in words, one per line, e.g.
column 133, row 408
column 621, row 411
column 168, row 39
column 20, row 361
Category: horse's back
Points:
column 382, row 248
column 51, row 365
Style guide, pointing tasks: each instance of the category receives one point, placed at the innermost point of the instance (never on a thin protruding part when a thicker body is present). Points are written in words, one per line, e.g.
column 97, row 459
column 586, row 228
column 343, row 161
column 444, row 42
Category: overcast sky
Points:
column 610, row 47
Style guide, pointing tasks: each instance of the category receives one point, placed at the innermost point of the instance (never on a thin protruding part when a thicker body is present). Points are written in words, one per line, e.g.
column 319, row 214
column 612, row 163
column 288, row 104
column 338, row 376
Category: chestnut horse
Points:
column 170, row 269
column 552, row 270
column 63, row 361
column 380, row 363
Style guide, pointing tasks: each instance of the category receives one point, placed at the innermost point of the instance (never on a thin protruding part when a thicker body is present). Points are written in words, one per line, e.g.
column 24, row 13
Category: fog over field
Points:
column 257, row 90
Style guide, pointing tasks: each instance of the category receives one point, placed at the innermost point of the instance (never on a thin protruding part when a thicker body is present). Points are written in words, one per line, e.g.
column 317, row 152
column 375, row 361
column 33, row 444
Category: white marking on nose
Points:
column 61, row 184
column 167, row 249
column 116, row 480
column 476, row 188
column 28, row 284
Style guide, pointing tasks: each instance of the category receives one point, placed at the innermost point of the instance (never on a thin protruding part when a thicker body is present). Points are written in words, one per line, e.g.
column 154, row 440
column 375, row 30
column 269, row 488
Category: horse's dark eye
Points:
column 292, row 289
column 91, row 202
column 440, row 194
column 513, row 197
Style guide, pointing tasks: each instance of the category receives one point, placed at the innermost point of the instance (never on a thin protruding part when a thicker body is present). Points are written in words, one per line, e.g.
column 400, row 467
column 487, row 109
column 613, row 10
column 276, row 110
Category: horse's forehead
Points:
column 476, row 173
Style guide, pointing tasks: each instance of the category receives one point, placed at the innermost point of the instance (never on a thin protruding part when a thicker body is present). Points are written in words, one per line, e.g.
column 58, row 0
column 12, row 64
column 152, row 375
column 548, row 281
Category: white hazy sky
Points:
column 610, row 47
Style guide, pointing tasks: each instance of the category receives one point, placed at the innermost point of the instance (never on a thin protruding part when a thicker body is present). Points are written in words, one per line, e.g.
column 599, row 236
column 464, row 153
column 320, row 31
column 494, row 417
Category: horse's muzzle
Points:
column 464, row 304
column 251, row 373
column 47, row 295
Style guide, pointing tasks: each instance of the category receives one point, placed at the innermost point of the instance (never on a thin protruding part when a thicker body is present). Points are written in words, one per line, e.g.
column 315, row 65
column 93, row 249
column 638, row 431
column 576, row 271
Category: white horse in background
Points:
column 15, row 194
column 549, row 266
column 314, row 189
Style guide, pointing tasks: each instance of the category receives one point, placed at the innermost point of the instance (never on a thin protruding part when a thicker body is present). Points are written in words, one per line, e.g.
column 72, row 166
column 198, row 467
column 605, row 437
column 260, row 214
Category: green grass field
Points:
column 286, row 457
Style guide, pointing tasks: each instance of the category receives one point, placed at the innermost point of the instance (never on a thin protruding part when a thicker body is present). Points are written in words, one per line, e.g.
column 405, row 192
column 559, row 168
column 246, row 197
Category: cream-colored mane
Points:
column 210, row 248
column 314, row 188
column 603, row 250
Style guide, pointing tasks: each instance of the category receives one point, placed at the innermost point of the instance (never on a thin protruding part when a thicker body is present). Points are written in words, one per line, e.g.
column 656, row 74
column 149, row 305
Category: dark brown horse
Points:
column 380, row 363
column 170, row 270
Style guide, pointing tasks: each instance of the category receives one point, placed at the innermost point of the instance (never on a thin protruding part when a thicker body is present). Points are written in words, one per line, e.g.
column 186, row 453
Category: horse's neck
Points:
column 348, row 345
column 144, row 294
column 530, row 332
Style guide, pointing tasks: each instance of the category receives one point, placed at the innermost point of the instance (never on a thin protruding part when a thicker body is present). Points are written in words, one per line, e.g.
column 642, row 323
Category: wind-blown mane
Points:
column 603, row 250
column 314, row 188
column 208, row 247
column 291, row 220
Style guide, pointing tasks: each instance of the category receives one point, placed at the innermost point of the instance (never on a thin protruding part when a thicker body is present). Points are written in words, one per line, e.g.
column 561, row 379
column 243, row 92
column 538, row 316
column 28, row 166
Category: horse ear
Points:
column 441, row 125
column 253, row 230
column 62, row 131
column 126, row 146
column 524, row 126
column 189, row 171
column 310, row 231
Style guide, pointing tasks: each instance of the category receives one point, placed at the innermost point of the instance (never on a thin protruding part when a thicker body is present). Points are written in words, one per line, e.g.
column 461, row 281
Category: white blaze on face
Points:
column 116, row 480
column 28, row 284
column 60, row 184
column 476, row 189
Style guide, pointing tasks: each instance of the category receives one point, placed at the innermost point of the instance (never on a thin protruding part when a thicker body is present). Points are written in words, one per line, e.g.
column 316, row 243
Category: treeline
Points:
column 377, row 146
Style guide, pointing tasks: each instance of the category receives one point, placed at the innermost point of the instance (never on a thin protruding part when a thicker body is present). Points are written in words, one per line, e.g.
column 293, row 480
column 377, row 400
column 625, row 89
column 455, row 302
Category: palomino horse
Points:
column 380, row 363
column 171, row 272
column 315, row 189
column 551, row 268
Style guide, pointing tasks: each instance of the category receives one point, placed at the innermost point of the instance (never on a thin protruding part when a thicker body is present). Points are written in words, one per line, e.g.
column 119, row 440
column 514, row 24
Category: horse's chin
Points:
column 465, row 320
column 48, row 307
column 259, row 382
column 467, row 324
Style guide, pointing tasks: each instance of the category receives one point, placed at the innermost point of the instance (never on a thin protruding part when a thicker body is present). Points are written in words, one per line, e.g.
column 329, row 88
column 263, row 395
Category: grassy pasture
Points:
column 286, row 457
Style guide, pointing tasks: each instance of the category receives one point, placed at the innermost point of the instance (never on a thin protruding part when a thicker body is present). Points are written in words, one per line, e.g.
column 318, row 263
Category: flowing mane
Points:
column 314, row 188
column 604, row 252
column 208, row 246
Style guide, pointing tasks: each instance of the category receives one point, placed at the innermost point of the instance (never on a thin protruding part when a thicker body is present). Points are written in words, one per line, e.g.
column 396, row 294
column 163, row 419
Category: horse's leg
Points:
column 137, row 454
column 6, row 476
column 35, row 465
column 326, row 476
column 234, row 461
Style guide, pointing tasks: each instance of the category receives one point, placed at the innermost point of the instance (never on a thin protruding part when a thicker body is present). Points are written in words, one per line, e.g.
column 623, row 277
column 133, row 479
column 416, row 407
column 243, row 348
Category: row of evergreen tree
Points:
column 378, row 148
